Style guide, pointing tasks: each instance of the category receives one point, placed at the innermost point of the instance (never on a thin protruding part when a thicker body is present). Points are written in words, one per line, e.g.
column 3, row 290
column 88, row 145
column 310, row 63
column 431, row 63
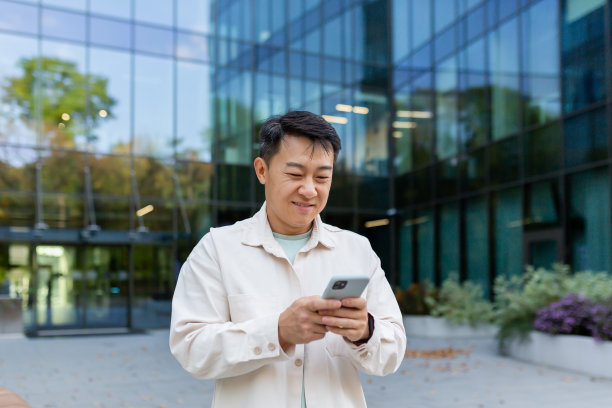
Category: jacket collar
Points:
column 257, row 232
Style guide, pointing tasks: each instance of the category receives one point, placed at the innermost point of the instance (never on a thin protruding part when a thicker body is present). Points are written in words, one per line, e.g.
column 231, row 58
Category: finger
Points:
column 345, row 312
column 339, row 322
column 355, row 303
column 316, row 303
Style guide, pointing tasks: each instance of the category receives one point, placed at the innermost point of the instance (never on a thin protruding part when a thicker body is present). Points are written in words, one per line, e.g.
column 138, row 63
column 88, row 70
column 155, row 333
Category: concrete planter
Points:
column 438, row 327
column 569, row 352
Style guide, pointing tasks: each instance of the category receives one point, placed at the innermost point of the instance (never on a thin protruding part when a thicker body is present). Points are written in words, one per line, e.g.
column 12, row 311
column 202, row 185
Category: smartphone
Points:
column 345, row 286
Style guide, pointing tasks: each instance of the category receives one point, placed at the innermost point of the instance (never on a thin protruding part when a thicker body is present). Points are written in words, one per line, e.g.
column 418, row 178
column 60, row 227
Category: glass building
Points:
column 476, row 138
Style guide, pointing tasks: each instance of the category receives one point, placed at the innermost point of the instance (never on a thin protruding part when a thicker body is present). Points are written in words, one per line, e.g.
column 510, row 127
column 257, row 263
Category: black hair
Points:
column 297, row 123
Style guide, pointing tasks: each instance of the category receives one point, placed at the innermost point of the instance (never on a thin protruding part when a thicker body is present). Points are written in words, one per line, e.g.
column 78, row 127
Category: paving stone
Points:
column 137, row 370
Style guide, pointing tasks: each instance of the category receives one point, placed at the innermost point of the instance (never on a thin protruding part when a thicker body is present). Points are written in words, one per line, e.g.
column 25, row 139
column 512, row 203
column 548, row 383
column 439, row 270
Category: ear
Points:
column 261, row 169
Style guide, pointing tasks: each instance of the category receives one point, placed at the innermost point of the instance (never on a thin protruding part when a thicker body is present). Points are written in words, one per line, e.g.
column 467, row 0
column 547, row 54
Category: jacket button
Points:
column 257, row 350
column 271, row 346
column 298, row 362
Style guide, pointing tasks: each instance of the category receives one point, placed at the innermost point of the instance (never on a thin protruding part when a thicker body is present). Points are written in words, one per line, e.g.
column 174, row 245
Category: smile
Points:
column 302, row 205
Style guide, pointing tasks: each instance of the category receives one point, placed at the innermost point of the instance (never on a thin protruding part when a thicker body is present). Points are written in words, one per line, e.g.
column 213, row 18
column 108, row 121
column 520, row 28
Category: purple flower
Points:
column 574, row 314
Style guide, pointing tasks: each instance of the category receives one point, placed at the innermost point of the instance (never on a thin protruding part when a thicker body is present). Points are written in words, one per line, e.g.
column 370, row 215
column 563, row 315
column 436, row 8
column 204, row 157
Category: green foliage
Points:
column 518, row 299
column 461, row 302
column 596, row 286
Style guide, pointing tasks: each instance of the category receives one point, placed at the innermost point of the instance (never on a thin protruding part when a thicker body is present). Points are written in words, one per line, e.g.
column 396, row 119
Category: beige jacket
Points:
column 228, row 298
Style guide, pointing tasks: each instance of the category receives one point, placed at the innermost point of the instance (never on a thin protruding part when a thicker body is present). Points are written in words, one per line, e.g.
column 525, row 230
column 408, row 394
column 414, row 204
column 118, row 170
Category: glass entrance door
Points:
column 107, row 283
column 81, row 287
column 59, row 287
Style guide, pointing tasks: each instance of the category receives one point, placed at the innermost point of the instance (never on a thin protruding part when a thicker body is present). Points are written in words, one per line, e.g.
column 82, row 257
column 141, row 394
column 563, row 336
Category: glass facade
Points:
column 476, row 137
column 508, row 149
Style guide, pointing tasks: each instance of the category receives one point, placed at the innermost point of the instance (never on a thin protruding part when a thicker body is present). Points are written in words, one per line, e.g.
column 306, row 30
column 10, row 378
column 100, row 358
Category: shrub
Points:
column 461, row 302
column 518, row 298
column 570, row 315
column 601, row 322
column 575, row 314
column 411, row 301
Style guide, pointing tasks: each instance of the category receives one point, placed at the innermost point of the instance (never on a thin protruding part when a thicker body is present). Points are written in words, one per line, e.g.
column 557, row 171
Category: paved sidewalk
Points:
column 137, row 370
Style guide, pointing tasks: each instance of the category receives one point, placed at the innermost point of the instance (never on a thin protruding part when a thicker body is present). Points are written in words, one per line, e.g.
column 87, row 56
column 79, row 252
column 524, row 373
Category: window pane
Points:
column 153, row 106
column 447, row 173
column 234, row 121
column 18, row 121
column 401, row 30
column 154, row 180
column 475, row 23
column 195, row 180
column 17, row 166
column 342, row 193
column 477, row 242
column 586, row 138
column 195, row 15
column 406, row 270
column 401, row 136
column 508, row 232
column 110, row 72
column 446, row 108
column 503, row 63
column 63, row 188
column 542, row 202
column 420, row 113
column 153, row 283
column 425, row 245
column 153, row 11
column 18, row 17
column 65, row 25
column 445, row 12
column 473, row 171
column 194, row 46
column 154, row 40
column 111, row 186
column 194, row 111
column 449, row 240
column 590, row 219
column 420, row 22
column 371, row 156
column 115, row 8
column 541, row 62
column 583, row 53
column 62, row 82
column 114, row 33
column 79, row 5
column 474, row 105
column 234, row 182
column 542, row 150
column 504, row 161
column 373, row 192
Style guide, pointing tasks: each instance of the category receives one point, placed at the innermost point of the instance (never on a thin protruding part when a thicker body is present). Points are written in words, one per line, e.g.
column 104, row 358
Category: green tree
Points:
column 68, row 101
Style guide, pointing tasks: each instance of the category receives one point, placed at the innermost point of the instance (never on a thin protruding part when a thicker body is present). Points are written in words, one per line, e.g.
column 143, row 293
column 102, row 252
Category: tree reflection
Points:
column 66, row 101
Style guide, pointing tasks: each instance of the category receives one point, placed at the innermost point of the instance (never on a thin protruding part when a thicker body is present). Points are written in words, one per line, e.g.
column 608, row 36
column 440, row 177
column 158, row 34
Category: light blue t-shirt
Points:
column 292, row 244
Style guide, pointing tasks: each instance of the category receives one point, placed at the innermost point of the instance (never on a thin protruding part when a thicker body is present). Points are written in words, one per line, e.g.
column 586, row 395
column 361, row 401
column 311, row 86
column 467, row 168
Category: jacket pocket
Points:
column 246, row 307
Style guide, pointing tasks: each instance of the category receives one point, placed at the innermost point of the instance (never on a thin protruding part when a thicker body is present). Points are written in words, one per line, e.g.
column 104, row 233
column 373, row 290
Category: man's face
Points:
column 297, row 182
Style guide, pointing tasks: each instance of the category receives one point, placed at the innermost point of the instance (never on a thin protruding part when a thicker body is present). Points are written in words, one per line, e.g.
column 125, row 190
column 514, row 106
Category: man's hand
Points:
column 350, row 321
column 300, row 323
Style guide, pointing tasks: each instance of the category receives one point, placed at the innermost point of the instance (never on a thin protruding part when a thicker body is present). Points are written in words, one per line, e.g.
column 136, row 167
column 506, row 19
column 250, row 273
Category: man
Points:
column 247, row 309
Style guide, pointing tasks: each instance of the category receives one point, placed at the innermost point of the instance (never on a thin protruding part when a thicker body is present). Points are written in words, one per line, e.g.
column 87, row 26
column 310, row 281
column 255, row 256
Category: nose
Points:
column 307, row 189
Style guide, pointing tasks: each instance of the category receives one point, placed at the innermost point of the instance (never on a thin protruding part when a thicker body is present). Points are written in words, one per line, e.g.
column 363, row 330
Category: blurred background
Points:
column 476, row 138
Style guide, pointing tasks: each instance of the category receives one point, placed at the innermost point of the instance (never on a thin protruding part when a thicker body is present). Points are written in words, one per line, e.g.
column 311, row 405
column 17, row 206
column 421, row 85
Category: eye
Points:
column 294, row 174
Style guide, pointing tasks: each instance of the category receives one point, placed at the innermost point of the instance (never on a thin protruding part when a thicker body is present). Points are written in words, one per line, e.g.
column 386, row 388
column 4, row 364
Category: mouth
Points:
column 304, row 206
